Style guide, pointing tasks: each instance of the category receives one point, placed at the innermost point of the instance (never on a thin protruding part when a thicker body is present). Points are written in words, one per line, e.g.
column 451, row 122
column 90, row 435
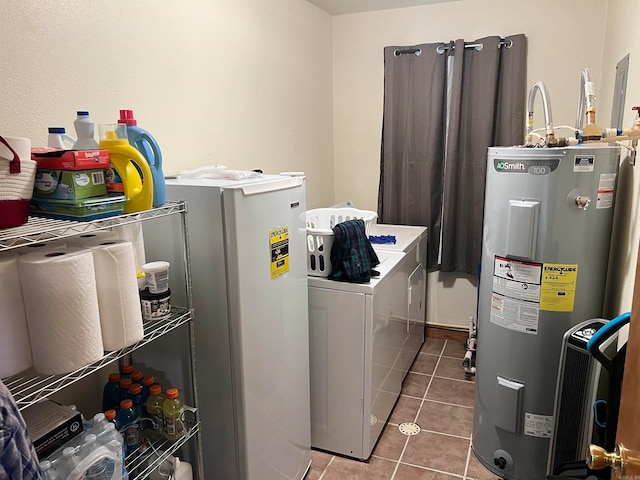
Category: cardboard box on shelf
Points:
column 54, row 159
column 50, row 425
column 69, row 184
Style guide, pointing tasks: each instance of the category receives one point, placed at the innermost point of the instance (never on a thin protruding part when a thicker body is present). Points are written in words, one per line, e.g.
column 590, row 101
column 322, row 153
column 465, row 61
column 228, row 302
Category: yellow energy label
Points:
column 279, row 245
column 558, row 289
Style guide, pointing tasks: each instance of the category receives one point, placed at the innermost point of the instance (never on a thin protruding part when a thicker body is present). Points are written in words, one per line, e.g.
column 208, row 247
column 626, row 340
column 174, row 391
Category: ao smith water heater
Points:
column 547, row 229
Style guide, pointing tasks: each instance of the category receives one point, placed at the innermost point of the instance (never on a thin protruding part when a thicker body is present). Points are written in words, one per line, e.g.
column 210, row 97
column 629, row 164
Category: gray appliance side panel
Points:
column 213, row 357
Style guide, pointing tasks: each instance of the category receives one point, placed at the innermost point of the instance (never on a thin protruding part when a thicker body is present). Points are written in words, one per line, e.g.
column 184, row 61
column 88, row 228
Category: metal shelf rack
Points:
column 30, row 387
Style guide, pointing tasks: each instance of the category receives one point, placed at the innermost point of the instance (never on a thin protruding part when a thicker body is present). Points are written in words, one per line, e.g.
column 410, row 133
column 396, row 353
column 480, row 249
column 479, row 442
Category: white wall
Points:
column 246, row 83
column 563, row 38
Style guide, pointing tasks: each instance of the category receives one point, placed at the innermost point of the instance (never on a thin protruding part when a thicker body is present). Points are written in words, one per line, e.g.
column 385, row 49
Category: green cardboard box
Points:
column 69, row 185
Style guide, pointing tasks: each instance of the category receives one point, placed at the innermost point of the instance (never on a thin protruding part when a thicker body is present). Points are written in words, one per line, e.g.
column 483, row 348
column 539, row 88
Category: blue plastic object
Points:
column 605, row 332
column 142, row 141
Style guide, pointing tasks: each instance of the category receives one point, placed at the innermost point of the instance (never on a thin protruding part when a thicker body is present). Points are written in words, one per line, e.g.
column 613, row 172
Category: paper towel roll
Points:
column 41, row 247
column 61, row 302
column 15, row 350
column 132, row 232
column 118, row 298
column 88, row 239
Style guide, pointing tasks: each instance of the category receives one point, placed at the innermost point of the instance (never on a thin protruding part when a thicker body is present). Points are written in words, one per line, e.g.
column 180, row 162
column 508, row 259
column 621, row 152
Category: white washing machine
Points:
column 363, row 339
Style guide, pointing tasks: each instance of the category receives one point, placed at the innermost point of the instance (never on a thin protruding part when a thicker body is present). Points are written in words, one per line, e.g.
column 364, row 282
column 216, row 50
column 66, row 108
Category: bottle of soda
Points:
column 153, row 406
column 127, row 419
column 110, row 392
column 135, row 394
column 172, row 410
column 136, row 376
column 123, row 391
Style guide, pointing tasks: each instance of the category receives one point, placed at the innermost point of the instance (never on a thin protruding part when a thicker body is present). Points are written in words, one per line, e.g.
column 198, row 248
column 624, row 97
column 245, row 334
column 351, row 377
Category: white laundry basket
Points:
column 320, row 223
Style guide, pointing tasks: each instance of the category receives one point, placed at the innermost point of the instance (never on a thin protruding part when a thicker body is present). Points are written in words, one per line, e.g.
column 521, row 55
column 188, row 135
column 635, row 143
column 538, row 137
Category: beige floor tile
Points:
column 345, row 469
column 424, row 363
column 456, row 392
column 452, row 368
column 405, row 410
column 415, row 384
column 320, row 459
column 408, row 472
column 444, row 418
column 438, row 452
column 391, row 443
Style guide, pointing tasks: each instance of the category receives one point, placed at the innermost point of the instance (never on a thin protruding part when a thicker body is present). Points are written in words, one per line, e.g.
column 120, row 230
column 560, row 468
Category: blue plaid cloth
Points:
column 18, row 459
column 352, row 256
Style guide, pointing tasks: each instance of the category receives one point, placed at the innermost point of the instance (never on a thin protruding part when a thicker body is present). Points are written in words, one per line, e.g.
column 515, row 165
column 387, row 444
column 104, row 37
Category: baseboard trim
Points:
column 448, row 332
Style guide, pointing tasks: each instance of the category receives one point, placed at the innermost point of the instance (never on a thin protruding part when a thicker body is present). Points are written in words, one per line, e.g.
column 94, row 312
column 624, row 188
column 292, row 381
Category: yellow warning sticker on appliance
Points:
column 279, row 244
column 558, row 289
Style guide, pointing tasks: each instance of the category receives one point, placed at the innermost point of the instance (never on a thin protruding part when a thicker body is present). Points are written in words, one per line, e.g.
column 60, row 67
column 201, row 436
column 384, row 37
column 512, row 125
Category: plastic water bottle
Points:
column 127, row 418
column 110, row 392
column 58, row 138
column 68, row 462
column 85, row 130
column 108, row 436
column 172, row 410
column 99, row 423
column 153, row 406
column 48, row 471
column 142, row 141
column 98, row 469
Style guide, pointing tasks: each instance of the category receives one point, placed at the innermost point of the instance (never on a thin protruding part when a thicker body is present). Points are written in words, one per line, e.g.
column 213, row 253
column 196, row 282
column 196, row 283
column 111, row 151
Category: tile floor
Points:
column 438, row 396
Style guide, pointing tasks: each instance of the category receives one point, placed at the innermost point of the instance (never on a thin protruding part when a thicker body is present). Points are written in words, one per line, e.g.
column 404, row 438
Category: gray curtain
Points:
column 488, row 89
column 413, row 132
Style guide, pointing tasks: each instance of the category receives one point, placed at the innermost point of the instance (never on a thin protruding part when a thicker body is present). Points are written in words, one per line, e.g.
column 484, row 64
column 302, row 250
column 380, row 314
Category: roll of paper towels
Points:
column 132, row 232
column 87, row 239
column 15, row 349
column 41, row 247
column 118, row 298
column 61, row 302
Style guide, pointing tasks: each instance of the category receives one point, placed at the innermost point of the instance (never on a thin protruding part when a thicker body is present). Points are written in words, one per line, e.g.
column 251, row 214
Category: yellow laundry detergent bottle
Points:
column 131, row 166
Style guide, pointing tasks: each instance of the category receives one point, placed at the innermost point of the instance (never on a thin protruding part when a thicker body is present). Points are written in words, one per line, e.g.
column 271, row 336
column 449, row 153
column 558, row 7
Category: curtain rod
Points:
column 450, row 46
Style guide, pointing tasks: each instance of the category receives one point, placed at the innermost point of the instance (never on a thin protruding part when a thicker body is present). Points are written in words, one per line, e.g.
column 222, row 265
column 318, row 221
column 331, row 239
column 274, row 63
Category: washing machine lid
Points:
column 406, row 236
column 389, row 262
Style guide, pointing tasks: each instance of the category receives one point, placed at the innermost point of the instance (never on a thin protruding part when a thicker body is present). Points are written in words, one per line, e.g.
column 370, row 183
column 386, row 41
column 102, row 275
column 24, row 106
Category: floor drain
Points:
column 409, row 428
column 373, row 420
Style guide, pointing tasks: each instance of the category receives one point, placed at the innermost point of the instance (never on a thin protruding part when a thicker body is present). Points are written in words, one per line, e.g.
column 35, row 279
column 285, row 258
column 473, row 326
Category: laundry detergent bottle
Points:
column 85, row 132
column 129, row 164
column 150, row 150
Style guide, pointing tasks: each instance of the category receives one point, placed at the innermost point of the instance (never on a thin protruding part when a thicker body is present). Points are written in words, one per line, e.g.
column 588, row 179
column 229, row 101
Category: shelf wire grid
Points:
column 29, row 387
column 39, row 229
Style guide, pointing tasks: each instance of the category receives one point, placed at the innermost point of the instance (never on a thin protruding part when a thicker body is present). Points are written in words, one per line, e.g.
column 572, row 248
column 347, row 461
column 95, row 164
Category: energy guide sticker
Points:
column 515, row 299
column 279, row 246
column 558, row 287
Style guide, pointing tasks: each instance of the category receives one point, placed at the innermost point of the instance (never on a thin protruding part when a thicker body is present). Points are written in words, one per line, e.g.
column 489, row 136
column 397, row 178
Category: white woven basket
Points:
column 17, row 176
column 320, row 223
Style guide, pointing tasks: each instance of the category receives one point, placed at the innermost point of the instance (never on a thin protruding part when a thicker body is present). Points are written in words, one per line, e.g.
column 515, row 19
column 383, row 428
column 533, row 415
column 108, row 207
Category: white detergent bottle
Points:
column 58, row 138
column 85, row 130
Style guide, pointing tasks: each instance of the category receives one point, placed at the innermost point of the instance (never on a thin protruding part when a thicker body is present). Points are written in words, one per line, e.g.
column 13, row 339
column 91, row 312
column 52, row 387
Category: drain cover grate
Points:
column 409, row 428
column 373, row 419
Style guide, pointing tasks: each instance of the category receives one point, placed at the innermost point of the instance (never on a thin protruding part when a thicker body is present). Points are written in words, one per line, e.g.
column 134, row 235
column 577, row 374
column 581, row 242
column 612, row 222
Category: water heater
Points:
column 547, row 228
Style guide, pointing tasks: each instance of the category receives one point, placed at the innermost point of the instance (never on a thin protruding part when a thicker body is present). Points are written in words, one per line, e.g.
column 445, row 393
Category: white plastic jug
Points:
column 58, row 138
column 85, row 130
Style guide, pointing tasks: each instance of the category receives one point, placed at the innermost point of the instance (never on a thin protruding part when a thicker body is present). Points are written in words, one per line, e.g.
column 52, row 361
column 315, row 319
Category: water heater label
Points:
column 538, row 425
column 558, row 287
column 279, row 243
column 515, row 302
column 606, row 189
column 584, row 163
column 543, row 166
